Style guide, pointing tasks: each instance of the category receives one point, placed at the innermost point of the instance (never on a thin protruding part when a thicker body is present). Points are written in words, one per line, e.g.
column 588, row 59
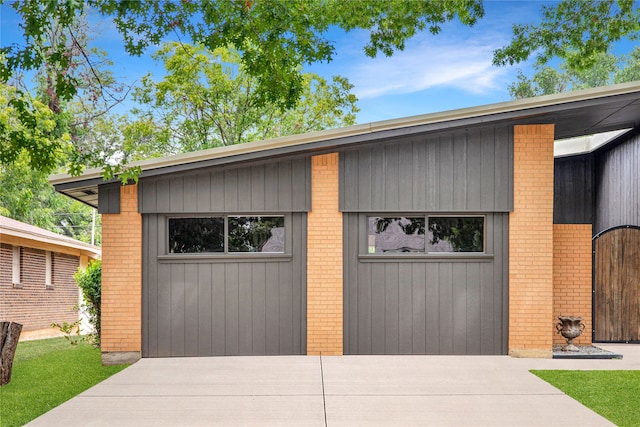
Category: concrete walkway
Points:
column 335, row 391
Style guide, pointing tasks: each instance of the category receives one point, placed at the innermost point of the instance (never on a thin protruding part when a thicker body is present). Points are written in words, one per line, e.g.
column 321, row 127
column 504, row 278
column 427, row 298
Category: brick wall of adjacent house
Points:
column 121, row 325
column 324, row 260
column 572, row 271
column 531, row 243
column 34, row 304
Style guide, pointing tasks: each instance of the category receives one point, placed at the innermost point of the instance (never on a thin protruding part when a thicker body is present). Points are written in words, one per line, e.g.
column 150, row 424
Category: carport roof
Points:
column 574, row 114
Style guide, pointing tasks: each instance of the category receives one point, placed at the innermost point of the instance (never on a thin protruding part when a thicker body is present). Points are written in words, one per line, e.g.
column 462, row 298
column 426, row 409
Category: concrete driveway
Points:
column 335, row 391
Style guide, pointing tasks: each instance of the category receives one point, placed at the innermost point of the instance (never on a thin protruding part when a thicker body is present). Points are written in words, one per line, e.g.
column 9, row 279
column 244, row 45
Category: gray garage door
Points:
column 416, row 303
column 208, row 306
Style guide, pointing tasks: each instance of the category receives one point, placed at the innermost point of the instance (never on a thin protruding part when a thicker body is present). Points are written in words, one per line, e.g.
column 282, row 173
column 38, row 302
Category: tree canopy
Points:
column 274, row 38
column 27, row 196
column 577, row 32
column 207, row 99
column 608, row 69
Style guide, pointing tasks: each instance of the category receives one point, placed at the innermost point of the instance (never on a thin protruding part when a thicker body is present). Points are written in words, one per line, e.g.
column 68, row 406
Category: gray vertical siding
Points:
column 282, row 186
column 234, row 306
column 109, row 198
column 426, row 305
column 618, row 186
column 462, row 172
column 573, row 193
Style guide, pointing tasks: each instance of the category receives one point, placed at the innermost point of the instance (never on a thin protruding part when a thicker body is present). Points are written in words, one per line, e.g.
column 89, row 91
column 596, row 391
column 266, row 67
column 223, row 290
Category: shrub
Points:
column 90, row 282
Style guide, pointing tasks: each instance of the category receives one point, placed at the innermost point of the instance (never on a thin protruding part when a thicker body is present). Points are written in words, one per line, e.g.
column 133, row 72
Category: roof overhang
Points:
column 20, row 234
column 574, row 114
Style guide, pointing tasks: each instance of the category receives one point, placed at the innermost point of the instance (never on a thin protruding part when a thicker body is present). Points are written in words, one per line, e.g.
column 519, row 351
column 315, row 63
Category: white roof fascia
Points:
column 52, row 240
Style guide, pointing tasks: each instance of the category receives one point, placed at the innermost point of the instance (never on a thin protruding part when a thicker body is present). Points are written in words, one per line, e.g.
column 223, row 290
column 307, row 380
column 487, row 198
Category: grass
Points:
column 613, row 394
column 47, row 373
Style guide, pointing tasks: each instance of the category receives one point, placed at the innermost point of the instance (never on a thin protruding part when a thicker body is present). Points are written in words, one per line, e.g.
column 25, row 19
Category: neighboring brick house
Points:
column 459, row 232
column 36, row 275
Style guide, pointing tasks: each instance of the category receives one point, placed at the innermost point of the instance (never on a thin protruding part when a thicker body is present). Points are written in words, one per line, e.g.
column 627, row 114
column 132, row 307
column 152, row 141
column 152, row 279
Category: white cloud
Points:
column 463, row 64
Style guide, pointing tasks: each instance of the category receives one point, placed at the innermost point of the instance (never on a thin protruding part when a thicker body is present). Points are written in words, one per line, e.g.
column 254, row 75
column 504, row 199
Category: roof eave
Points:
column 294, row 143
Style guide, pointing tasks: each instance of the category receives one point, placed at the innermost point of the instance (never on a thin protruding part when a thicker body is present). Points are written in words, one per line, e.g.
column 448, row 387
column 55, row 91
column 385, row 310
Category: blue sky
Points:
column 434, row 73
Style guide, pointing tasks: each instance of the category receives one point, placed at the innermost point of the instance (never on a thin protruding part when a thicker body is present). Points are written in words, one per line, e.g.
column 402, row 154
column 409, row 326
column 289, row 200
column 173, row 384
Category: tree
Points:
column 274, row 37
column 207, row 99
column 9, row 336
column 27, row 196
column 607, row 70
column 576, row 31
column 25, row 193
column 46, row 125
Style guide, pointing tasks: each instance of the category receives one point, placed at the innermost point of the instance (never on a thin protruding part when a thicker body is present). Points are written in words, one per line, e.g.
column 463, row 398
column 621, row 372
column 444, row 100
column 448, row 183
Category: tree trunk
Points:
column 9, row 335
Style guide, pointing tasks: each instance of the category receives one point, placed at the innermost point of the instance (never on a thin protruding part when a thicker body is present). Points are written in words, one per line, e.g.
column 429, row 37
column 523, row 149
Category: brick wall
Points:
column 531, row 243
column 34, row 305
column 324, row 260
column 572, row 286
column 122, row 276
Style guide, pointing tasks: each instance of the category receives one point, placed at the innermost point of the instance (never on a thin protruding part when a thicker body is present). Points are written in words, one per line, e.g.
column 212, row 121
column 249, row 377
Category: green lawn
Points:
column 47, row 373
column 613, row 394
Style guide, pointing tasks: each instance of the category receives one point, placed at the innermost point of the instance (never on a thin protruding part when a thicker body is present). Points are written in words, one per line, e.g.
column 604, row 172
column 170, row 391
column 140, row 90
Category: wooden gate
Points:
column 616, row 297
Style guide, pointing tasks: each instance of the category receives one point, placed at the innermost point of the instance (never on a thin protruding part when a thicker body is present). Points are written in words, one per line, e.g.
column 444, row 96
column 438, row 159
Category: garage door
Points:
column 411, row 301
column 208, row 305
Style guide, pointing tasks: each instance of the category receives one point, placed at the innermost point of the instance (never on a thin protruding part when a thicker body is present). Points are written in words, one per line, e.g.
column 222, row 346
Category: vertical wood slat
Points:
column 617, row 186
column 573, row 194
column 219, row 309
column 391, row 153
column 231, row 309
column 446, row 175
column 205, row 309
column 109, row 198
column 272, row 191
column 192, row 310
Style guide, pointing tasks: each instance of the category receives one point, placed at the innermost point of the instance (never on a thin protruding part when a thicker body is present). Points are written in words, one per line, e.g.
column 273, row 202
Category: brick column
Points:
column 122, row 281
column 572, row 286
column 324, row 260
column 531, row 243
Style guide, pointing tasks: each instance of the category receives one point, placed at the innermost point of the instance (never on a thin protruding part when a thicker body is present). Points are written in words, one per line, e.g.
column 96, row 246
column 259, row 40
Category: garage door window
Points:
column 230, row 234
column 425, row 234
column 196, row 235
column 456, row 234
column 256, row 234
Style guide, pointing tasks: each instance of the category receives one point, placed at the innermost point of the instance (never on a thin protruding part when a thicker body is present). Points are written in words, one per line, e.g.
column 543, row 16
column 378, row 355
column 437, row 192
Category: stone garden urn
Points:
column 570, row 327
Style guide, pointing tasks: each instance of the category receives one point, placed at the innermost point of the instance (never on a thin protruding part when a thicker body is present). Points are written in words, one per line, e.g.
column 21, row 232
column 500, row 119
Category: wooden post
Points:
column 9, row 335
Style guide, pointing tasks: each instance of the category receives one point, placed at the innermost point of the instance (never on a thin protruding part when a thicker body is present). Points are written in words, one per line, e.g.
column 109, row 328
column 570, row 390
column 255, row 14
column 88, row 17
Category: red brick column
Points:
column 531, row 243
column 572, row 286
column 122, row 281
column 324, row 260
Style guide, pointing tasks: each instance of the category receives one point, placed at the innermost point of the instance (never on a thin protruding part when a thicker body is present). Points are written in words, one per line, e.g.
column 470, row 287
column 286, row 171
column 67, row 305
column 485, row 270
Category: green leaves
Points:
column 274, row 39
column 391, row 23
column 607, row 69
column 27, row 124
column 576, row 31
column 208, row 99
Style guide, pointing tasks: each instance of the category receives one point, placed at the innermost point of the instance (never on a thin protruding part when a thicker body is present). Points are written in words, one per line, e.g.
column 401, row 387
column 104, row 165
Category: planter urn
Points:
column 570, row 327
